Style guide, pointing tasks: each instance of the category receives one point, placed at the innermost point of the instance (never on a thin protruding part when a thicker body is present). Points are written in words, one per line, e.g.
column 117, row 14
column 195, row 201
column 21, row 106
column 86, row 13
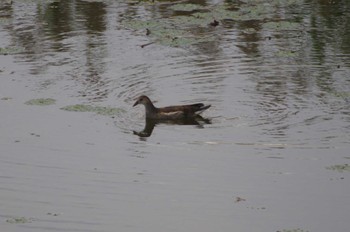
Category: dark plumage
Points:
column 170, row 112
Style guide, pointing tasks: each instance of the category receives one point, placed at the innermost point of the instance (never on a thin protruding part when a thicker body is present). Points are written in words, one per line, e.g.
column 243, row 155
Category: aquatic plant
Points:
column 339, row 167
column 41, row 102
column 10, row 50
column 19, row 220
column 186, row 7
column 292, row 230
column 190, row 21
column 107, row 111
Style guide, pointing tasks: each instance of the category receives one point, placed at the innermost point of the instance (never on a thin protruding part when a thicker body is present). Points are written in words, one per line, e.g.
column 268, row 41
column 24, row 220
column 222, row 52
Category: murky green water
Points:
column 271, row 154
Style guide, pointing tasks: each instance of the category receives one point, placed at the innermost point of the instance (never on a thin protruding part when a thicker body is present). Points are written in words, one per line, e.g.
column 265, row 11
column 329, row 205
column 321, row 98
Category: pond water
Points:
column 271, row 154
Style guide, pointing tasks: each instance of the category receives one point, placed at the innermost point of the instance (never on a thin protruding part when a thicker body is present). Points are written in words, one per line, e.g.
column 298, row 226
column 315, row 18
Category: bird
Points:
column 170, row 112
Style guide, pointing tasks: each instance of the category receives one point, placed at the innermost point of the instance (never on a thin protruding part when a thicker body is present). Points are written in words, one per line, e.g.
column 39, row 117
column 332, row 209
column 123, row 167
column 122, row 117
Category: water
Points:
column 276, row 75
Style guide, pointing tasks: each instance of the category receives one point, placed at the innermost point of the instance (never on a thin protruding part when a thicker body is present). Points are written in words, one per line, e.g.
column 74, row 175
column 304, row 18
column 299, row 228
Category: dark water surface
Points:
column 274, row 156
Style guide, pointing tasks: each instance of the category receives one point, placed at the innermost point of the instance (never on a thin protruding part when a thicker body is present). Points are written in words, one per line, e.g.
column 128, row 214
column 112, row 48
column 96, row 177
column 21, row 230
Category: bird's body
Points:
column 170, row 112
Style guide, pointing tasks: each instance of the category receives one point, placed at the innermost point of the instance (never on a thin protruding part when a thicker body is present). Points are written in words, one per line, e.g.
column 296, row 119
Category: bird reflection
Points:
column 197, row 121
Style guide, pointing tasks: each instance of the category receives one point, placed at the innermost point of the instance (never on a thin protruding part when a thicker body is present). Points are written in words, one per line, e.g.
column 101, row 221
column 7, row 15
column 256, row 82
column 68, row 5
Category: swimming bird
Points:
column 170, row 112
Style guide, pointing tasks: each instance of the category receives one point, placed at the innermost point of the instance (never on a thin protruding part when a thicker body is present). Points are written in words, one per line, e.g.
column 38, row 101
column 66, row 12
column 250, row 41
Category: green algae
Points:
column 282, row 25
column 41, row 102
column 339, row 167
column 341, row 94
column 166, row 34
column 292, row 230
column 19, row 220
column 192, row 20
column 181, row 29
column 106, row 111
column 135, row 24
column 4, row 20
column 287, row 3
column 256, row 12
column 186, row 7
column 11, row 50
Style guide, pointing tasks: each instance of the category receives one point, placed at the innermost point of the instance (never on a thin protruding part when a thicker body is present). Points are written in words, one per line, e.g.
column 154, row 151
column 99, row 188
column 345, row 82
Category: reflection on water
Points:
column 198, row 121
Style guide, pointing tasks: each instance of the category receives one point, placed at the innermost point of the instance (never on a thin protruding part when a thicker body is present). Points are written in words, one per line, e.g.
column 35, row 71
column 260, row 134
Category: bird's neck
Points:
column 150, row 109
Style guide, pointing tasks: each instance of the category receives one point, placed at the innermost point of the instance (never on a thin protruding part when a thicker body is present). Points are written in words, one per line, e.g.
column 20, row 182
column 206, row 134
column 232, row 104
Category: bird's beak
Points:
column 136, row 103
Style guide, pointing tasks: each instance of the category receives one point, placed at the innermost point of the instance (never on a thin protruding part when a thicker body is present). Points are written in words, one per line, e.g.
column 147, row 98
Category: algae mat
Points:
column 192, row 24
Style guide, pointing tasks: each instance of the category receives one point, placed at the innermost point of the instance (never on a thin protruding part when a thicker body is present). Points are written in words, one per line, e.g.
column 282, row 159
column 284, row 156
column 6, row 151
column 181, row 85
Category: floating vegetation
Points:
column 283, row 25
column 287, row 2
column 39, row 1
column 292, row 230
column 249, row 31
column 41, row 102
column 339, row 167
column 19, row 220
column 10, row 50
column 107, row 111
column 143, row 25
column 191, row 22
column 186, row 7
column 341, row 94
column 256, row 12
column 4, row 20
column 165, row 34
